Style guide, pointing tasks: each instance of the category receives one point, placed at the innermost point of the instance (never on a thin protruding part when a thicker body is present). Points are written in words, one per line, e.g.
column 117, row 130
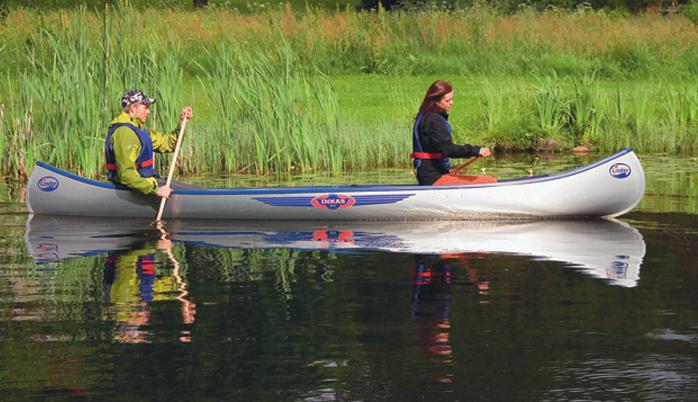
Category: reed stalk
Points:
column 2, row 130
column 494, row 102
column 551, row 107
column 640, row 118
column 586, row 111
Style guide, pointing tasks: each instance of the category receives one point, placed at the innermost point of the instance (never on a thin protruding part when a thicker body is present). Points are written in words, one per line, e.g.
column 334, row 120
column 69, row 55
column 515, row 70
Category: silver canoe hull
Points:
column 606, row 249
column 607, row 188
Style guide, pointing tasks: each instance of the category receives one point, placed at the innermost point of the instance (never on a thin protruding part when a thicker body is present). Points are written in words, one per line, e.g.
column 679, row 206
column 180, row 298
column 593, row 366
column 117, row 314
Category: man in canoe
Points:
column 432, row 143
column 129, row 146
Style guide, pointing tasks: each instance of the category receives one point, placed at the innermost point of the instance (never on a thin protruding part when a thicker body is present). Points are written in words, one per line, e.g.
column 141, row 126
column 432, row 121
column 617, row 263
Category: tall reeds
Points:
column 274, row 114
column 262, row 84
column 474, row 40
column 585, row 111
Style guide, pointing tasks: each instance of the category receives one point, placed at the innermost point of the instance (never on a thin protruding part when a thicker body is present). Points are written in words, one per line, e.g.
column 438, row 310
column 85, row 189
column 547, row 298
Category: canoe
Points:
column 606, row 249
column 607, row 188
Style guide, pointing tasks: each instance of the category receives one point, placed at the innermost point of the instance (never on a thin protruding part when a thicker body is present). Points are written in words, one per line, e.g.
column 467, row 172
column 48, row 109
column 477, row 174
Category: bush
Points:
column 690, row 10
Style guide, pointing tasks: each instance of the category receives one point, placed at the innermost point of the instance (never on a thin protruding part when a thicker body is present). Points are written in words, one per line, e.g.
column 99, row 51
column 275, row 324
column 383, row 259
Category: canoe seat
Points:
column 453, row 179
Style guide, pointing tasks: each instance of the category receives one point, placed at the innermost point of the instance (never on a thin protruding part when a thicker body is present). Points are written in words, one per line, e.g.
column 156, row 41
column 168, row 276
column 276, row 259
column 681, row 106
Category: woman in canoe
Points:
column 129, row 146
column 432, row 143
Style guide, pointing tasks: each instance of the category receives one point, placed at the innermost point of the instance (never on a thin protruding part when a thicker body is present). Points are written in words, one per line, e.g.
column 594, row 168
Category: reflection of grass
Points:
column 671, row 185
column 80, row 279
column 240, row 265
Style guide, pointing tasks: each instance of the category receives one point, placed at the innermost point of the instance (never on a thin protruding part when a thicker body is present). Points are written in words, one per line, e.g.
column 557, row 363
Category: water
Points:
column 585, row 310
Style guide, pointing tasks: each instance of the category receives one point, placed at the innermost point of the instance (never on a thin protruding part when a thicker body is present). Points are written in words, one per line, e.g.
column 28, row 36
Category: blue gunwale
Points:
column 349, row 189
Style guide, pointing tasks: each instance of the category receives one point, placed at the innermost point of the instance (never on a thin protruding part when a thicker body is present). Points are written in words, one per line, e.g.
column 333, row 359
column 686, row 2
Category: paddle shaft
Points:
column 163, row 200
column 463, row 166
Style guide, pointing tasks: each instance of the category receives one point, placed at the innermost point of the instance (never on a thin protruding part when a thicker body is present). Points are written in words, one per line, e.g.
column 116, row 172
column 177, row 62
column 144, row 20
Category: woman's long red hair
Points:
column 436, row 91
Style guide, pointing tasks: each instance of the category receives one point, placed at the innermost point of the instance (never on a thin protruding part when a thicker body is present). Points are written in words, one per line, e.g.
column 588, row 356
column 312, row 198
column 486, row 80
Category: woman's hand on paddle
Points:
column 163, row 192
column 187, row 113
column 485, row 152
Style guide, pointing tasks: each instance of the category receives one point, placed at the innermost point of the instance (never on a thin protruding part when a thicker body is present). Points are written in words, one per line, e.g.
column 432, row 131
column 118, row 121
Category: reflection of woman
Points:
column 432, row 279
column 431, row 301
column 432, row 143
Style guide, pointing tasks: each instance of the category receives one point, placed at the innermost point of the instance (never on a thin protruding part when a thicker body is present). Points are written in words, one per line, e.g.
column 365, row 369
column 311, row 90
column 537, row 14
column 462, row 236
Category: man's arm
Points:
column 167, row 142
column 126, row 150
column 162, row 142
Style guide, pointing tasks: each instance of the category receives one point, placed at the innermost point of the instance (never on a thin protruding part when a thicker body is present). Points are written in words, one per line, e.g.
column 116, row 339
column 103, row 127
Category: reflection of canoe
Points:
column 609, row 187
column 602, row 248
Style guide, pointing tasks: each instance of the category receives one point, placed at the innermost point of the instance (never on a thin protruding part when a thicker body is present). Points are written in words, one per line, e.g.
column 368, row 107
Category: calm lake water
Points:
column 571, row 310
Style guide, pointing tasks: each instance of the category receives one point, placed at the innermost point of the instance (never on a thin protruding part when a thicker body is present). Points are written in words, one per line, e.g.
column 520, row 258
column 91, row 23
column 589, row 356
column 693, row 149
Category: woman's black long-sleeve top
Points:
column 435, row 137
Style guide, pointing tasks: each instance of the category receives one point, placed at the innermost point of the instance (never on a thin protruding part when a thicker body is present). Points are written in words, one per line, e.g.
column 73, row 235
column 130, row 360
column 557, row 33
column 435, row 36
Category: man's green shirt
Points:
column 126, row 150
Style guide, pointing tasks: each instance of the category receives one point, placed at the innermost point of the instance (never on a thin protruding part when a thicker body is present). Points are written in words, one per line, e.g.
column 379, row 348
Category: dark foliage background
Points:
column 505, row 5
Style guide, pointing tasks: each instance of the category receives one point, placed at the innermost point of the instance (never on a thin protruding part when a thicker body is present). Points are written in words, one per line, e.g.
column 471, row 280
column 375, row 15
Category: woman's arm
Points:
column 441, row 141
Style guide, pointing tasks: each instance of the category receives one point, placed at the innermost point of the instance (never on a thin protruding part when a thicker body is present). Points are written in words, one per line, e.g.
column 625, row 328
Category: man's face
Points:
column 139, row 111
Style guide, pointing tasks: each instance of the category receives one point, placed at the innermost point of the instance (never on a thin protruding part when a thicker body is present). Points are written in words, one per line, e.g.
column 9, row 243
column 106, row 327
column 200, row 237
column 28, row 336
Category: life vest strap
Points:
column 147, row 264
column 144, row 164
column 426, row 155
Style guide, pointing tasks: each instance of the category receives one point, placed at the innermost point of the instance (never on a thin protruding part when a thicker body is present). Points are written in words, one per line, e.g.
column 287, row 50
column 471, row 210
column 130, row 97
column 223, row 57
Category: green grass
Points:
column 516, row 113
column 241, row 5
column 280, row 91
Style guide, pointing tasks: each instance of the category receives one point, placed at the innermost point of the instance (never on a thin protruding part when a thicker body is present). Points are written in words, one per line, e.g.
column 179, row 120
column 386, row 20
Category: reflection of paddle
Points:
column 172, row 167
column 188, row 308
column 465, row 165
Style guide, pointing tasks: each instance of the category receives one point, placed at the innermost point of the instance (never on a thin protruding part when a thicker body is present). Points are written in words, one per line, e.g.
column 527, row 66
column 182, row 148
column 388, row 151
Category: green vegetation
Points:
column 282, row 91
column 503, row 5
column 242, row 5
column 690, row 10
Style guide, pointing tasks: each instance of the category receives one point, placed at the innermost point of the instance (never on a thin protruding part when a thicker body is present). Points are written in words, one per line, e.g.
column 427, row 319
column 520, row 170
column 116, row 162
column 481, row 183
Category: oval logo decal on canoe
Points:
column 619, row 170
column 48, row 184
column 332, row 201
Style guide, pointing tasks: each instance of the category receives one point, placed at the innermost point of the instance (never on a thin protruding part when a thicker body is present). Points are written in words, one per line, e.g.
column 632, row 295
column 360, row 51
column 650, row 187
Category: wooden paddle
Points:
column 172, row 168
column 465, row 165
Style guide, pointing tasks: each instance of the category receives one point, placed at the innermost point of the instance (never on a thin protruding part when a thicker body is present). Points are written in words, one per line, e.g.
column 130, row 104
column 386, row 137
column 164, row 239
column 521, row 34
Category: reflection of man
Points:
column 131, row 283
column 431, row 300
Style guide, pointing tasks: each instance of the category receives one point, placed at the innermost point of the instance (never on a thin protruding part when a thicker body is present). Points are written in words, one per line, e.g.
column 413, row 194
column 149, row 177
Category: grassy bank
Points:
column 527, row 113
column 280, row 91
column 475, row 40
